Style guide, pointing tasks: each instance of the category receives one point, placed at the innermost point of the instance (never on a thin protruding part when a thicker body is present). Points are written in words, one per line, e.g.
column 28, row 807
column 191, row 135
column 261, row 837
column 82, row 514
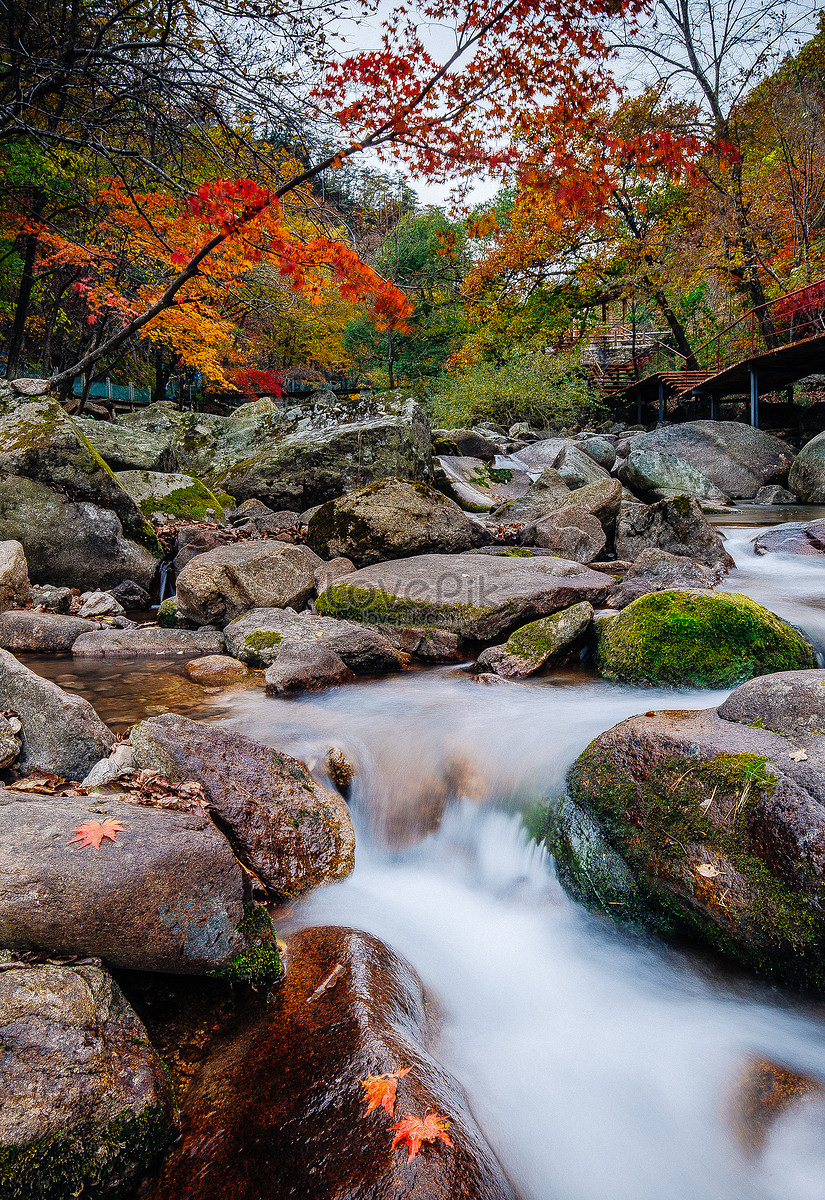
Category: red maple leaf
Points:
column 416, row 1130
column 92, row 833
column 380, row 1090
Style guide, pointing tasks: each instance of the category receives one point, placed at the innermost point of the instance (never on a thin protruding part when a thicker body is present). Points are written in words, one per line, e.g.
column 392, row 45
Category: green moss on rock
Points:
column 681, row 814
column 698, row 639
column 90, row 1161
column 258, row 642
column 260, row 965
column 168, row 614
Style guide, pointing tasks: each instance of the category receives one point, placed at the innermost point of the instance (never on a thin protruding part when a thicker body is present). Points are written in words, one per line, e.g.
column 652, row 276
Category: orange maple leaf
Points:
column 92, row 833
column 416, row 1130
column 381, row 1090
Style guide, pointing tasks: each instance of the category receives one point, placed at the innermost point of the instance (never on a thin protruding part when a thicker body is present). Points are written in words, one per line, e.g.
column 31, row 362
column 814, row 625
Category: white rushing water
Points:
column 600, row 1064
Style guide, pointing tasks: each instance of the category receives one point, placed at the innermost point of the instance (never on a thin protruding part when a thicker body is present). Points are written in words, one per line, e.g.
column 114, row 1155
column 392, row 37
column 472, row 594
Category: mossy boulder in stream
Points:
column 86, row 1102
column 175, row 494
column 697, row 638
column 705, row 825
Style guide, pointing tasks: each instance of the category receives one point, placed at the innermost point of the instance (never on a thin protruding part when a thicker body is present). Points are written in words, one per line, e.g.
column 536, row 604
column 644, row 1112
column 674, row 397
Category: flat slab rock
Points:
column 166, row 895
column 28, row 632
column 288, row 830
column 259, row 636
column 151, row 642
column 276, row 1111
column 86, row 1101
column 793, row 537
column 476, row 596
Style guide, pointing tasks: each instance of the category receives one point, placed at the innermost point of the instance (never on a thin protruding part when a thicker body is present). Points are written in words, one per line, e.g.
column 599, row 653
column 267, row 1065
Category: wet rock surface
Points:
column 215, row 670
column 216, row 587
column 473, row 595
column 791, row 703
column 306, row 668
column 85, row 1101
column 61, row 733
column 793, row 537
column 286, row 1090
column 166, row 895
column 389, row 519
column 288, row 830
column 258, row 637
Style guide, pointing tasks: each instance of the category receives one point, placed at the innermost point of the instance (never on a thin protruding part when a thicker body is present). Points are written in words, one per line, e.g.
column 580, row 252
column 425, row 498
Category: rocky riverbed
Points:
column 290, row 829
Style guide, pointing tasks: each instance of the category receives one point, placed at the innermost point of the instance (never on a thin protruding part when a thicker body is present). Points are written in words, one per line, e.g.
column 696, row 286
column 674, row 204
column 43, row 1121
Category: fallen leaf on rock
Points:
column 798, row 755
column 417, row 1130
column 329, row 982
column 92, row 833
column 707, row 871
column 37, row 781
column 380, row 1090
column 153, row 788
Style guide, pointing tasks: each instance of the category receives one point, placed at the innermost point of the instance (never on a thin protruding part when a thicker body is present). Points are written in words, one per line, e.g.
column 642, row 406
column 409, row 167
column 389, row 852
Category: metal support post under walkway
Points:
column 661, row 400
column 754, row 398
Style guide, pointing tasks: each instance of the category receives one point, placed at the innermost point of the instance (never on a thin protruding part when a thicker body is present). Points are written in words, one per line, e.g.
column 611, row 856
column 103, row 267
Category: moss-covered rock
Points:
column 534, row 645
column 175, row 494
column 86, row 1103
column 721, row 827
column 388, row 519
column 699, row 639
column 168, row 614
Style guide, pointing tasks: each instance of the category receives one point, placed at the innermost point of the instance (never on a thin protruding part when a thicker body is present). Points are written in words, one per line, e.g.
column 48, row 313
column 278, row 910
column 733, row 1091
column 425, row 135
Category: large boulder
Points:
column 216, row 587
column 289, row 832
column 259, row 636
column 310, row 466
column 655, row 476
column 658, row 571
column 478, row 487
column 793, row 537
column 61, row 733
column 176, row 494
column 738, row 458
column 471, row 443
column 578, row 469
column 126, row 447
column 572, row 533
column 38, row 441
column 545, row 453
column 697, row 638
column 546, row 494
column 477, row 596
column 168, row 894
column 26, row 631
column 290, row 458
column 14, row 575
column 86, row 1102
column 538, row 643
column 807, row 476
column 75, row 543
column 677, row 525
column 721, row 823
column 277, row 1108
column 389, row 519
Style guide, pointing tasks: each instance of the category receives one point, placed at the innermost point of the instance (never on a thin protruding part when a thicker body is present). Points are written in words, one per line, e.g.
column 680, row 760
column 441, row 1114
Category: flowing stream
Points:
column 600, row 1063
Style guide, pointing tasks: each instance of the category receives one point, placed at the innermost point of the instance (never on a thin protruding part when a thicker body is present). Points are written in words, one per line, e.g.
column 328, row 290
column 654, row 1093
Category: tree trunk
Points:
column 23, row 295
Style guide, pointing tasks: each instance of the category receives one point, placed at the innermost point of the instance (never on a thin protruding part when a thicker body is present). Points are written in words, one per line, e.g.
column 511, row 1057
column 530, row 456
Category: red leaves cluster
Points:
column 415, row 1131
column 258, row 383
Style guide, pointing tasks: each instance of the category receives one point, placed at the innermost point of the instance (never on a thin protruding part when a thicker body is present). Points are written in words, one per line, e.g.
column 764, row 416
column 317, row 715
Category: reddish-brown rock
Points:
column 276, row 1111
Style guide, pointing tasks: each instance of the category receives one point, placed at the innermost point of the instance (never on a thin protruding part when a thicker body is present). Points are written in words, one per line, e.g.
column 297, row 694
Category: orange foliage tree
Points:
column 513, row 62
